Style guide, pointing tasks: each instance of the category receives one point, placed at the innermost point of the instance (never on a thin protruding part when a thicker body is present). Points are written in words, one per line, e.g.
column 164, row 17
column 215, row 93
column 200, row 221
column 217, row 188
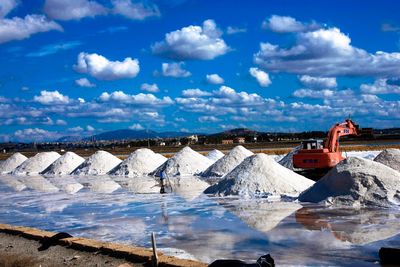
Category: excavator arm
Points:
column 341, row 129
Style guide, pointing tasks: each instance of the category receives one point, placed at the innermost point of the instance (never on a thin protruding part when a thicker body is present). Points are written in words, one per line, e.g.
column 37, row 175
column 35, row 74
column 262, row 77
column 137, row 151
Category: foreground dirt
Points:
column 17, row 251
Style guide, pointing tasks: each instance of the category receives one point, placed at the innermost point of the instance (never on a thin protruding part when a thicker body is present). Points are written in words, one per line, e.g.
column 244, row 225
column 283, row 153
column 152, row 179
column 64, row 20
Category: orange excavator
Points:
column 321, row 156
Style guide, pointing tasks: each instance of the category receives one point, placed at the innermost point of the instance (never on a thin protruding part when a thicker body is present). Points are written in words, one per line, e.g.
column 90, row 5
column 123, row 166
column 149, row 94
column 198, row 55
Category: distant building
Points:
column 227, row 141
column 192, row 139
column 240, row 140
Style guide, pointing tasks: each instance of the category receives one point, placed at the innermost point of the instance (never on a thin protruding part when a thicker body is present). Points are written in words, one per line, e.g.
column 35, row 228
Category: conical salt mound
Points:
column 139, row 163
column 11, row 163
column 228, row 162
column 64, row 165
column 185, row 162
column 260, row 175
column 287, row 160
column 356, row 182
column 99, row 163
column 389, row 157
column 36, row 164
column 215, row 155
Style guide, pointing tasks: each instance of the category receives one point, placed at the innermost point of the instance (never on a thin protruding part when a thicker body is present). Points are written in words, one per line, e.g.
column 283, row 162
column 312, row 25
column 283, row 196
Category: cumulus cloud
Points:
column 51, row 98
column 326, row 53
column 381, row 86
column 73, row 10
column 285, row 24
column 90, row 128
column 261, row 77
column 136, row 127
column 309, row 93
column 139, row 99
column 136, row 10
column 208, row 119
column 21, row 28
column 234, row 30
column 6, row 6
column 61, row 122
column 195, row 93
column 192, row 43
column 317, row 82
column 101, row 68
column 214, row 79
column 84, row 82
column 174, row 70
column 151, row 88
column 35, row 134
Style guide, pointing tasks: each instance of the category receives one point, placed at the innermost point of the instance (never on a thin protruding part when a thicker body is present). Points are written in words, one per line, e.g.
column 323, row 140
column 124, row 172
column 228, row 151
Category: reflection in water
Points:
column 366, row 226
column 138, row 185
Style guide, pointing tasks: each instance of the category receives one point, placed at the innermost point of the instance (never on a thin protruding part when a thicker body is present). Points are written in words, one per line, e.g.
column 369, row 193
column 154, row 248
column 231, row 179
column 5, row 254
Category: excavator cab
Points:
column 312, row 144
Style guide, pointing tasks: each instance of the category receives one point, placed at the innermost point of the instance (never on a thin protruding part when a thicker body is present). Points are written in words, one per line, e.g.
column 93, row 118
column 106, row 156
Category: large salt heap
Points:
column 389, row 157
column 139, row 163
column 228, row 162
column 64, row 164
column 36, row 164
column 185, row 162
column 260, row 175
column 356, row 182
column 99, row 163
column 287, row 160
column 215, row 155
column 11, row 163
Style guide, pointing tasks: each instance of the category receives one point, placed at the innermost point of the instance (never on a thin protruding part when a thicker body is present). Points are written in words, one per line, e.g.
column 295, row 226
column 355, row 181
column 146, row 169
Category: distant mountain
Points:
column 69, row 139
column 237, row 132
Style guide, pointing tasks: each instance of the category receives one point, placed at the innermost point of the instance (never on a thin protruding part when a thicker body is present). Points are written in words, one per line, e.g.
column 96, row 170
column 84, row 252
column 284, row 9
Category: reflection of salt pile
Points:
column 36, row 164
column 263, row 216
column 187, row 187
column 356, row 181
column 99, row 163
column 13, row 183
column 260, row 175
column 39, row 183
column 138, row 185
column 66, row 183
column 228, row 162
column 64, row 164
column 98, row 184
column 390, row 157
column 185, row 162
column 140, row 162
column 215, row 155
column 11, row 163
column 287, row 161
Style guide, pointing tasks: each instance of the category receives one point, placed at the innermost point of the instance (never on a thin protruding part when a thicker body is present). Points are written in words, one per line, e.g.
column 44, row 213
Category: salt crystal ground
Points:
column 193, row 225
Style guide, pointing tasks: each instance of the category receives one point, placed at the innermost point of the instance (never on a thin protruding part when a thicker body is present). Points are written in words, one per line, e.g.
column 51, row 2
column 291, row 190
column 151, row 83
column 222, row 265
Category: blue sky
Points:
column 81, row 67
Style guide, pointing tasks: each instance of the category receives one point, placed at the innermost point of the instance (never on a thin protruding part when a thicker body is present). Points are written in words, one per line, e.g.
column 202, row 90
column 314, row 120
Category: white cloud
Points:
column 192, row 42
column 317, row 82
column 51, row 98
column 54, row 48
column 76, row 129
column 90, row 128
column 81, row 100
column 235, row 30
column 285, row 24
column 152, row 88
column 6, row 6
column 309, row 93
column 326, row 53
column 261, row 76
column 208, row 119
column 380, row 86
column 214, row 79
column 136, row 10
column 136, row 127
column 22, row 28
column 103, row 69
column 174, row 70
column 61, row 122
column 84, row 82
column 195, row 93
column 73, row 10
column 35, row 134
column 139, row 99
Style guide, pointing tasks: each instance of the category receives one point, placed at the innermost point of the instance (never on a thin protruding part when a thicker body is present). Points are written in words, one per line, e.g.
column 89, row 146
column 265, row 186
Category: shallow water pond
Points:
column 195, row 225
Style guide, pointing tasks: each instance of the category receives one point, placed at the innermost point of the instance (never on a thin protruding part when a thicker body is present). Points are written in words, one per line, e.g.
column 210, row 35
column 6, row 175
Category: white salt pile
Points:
column 287, row 161
column 99, row 163
column 390, row 157
column 228, row 162
column 64, row 164
column 260, row 175
column 141, row 162
column 215, row 155
column 356, row 182
column 11, row 163
column 36, row 164
column 185, row 162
